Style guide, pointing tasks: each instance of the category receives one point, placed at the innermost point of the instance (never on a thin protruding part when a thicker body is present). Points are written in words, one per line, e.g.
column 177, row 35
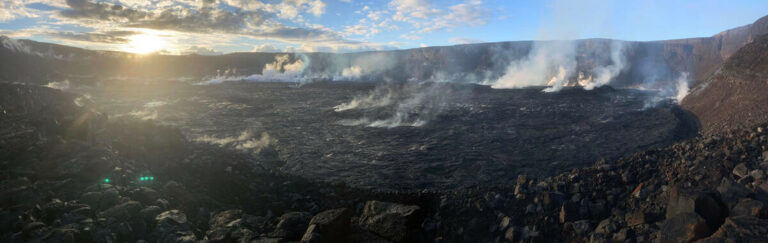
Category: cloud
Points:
column 190, row 24
column 265, row 48
column 105, row 37
column 407, row 10
column 199, row 50
column 470, row 13
column 317, row 8
column 422, row 15
column 12, row 9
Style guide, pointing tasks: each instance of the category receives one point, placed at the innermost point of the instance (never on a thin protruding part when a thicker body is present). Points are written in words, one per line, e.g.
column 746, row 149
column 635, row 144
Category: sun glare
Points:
column 145, row 43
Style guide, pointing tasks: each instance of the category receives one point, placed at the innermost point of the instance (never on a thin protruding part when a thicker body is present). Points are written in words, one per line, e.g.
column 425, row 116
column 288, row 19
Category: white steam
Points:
column 365, row 65
column 381, row 96
column 668, row 91
column 63, row 85
column 245, row 141
column 605, row 74
column 682, row 87
column 410, row 104
column 548, row 63
column 281, row 70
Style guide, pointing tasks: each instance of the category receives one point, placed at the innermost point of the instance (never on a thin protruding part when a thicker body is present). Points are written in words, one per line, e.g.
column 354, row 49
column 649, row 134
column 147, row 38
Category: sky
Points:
column 211, row 27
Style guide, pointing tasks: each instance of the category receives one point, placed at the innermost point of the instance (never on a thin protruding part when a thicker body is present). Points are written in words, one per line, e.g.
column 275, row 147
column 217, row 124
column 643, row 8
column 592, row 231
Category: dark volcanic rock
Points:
column 331, row 224
column 740, row 229
column 390, row 220
column 292, row 225
column 684, row 227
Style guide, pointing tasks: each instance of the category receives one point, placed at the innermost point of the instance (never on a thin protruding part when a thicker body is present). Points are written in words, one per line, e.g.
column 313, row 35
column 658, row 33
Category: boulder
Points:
column 750, row 207
column 390, row 220
column 635, row 218
column 312, row 235
column 223, row 218
column 741, row 170
column 706, row 206
column 145, row 195
column 331, row 224
column 605, row 227
column 684, row 227
column 292, row 225
column 124, row 211
column 741, row 229
column 731, row 192
column 172, row 226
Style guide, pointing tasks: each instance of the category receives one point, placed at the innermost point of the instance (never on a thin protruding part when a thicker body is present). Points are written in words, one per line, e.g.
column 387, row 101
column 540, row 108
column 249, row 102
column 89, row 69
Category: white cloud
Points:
column 12, row 9
column 411, row 37
column 317, row 8
column 200, row 50
column 265, row 48
column 470, row 13
column 407, row 10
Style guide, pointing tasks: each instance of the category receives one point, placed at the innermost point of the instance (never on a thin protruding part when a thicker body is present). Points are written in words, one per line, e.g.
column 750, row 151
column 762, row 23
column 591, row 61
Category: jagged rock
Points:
column 268, row 240
column 145, row 195
column 741, row 229
column 390, row 220
column 511, row 234
column 332, row 224
column 172, row 226
column 123, row 211
column 150, row 212
column 681, row 201
column 750, row 207
column 32, row 227
column 61, row 235
column 635, row 218
column 100, row 196
column 312, row 235
column 731, row 191
column 621, row 236
column 581, row 227
column 568, row 212
column 292, row 225
column 684, row 227
column 605, row 227
column 741, row 170
column 223, row 218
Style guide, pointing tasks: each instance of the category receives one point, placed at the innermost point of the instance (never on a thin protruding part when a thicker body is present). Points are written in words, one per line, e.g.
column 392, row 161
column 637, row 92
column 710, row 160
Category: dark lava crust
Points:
column 473, row 136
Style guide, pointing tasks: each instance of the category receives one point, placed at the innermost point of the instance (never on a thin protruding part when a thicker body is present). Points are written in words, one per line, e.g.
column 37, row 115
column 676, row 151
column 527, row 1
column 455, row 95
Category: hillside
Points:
column 735, row 96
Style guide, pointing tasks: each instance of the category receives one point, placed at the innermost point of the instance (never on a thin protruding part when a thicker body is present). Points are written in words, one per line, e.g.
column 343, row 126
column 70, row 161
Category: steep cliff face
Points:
column 735, row 96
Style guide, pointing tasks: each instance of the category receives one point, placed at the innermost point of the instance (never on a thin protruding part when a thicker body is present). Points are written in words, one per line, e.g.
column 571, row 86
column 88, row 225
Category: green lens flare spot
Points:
column 106, row 180
column 151, row 178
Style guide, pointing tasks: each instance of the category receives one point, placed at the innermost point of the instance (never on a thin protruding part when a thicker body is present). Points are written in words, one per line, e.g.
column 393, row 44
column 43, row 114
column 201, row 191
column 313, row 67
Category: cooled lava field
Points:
column 431, row 135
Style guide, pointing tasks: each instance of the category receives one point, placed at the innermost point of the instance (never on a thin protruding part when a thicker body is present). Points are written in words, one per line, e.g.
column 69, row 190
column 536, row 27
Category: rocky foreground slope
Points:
column 70, row 174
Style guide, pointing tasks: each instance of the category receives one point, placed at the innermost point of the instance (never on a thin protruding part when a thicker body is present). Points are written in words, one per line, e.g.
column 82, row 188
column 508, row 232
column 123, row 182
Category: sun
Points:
column 145, row 43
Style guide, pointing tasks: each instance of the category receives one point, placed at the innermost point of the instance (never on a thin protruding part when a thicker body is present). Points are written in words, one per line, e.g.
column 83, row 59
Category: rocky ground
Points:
column 70, row 174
